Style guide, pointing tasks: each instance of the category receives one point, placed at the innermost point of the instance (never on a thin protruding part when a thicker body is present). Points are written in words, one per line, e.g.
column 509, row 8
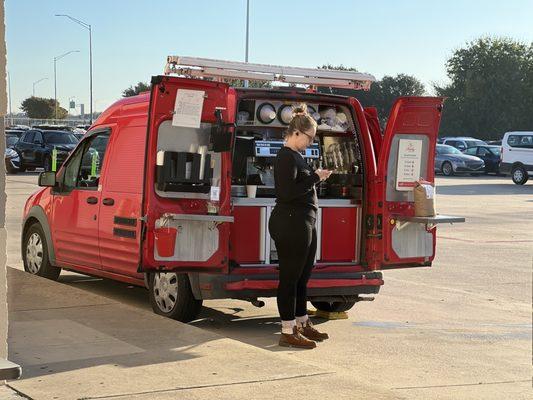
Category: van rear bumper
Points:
column 249, row 287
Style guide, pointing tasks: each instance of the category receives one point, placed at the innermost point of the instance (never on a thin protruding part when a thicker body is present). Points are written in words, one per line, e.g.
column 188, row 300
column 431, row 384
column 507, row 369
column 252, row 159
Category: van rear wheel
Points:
column 519, row 175
column 171, row 296
column 334, row 306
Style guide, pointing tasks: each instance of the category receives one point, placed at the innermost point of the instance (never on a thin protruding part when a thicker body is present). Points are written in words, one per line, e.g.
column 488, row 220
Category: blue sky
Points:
column 131, row 38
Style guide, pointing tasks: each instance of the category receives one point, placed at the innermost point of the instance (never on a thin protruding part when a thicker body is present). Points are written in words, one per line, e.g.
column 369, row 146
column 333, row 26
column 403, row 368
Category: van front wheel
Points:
column 35, row 254
column 171, row 296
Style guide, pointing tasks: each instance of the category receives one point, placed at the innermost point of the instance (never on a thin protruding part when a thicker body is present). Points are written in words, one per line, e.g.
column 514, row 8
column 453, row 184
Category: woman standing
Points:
column 292, row 226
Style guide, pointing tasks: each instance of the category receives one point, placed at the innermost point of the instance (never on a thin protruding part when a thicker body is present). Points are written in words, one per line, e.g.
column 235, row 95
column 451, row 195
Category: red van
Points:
column 155, row 194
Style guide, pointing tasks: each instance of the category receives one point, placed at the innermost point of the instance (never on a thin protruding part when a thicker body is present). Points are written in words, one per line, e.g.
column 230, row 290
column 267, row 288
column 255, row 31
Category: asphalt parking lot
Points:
column 459, row 330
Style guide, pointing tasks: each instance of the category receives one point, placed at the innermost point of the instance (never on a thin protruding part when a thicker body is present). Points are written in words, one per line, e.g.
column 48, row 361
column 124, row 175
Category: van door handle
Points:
column 92, row 200
column 108, row 201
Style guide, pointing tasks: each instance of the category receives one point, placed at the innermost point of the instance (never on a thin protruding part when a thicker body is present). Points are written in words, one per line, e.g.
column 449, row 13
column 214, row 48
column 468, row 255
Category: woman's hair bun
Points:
column 300, row 109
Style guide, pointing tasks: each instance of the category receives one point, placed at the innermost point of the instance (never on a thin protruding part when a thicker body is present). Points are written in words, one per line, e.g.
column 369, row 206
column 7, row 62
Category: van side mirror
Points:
column 47, row 179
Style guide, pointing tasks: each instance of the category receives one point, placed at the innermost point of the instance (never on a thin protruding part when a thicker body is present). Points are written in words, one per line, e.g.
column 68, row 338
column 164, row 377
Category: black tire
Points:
column 519, row 175
column 44, row 269
column 185, row 308
column 447, row 169
column 335, row 306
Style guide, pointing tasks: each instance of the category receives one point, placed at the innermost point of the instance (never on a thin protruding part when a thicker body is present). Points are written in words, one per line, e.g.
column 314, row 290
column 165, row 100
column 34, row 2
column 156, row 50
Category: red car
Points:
column 154, row 194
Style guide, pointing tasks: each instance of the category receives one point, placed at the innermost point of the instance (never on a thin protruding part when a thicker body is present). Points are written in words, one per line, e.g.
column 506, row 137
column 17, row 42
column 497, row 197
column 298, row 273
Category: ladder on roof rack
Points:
column 220, row 69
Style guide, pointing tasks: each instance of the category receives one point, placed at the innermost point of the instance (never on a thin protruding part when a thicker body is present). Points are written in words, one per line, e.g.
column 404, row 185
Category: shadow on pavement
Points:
column 242, row 322
column 55, row 328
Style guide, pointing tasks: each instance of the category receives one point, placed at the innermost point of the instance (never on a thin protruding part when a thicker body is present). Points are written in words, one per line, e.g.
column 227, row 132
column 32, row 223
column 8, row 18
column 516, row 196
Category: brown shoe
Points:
column 310, row 332
column 296, row 340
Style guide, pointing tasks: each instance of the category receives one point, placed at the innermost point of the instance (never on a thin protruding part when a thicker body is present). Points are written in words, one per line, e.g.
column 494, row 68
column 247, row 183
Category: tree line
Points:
column 490, row 90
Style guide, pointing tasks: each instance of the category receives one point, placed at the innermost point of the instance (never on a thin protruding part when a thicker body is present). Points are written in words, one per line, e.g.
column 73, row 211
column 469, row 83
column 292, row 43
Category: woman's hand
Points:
column 323, row 174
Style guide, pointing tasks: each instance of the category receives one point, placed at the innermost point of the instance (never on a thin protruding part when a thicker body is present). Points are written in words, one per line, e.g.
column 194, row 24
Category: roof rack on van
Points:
column 220, row 69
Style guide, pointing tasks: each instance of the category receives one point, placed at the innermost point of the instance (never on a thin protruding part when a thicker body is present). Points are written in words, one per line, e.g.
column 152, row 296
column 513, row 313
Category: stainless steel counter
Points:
column 270, row 201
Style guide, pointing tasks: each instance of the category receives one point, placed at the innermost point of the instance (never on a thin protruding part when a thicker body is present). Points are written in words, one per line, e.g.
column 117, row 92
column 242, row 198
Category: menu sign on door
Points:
column 409, row 162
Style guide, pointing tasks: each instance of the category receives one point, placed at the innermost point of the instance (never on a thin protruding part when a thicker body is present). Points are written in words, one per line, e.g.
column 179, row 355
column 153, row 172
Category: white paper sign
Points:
column 430, row 191
column 409, row 162
column 188, row 108
column 215, row 193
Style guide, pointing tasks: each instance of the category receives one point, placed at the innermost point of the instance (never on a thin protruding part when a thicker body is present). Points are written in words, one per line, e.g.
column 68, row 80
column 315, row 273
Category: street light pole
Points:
column 35, row 83
column 55, row 76
column 89, row 28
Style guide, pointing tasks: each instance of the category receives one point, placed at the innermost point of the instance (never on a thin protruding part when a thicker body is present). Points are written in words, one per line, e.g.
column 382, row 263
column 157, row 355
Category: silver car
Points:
column 450, row 161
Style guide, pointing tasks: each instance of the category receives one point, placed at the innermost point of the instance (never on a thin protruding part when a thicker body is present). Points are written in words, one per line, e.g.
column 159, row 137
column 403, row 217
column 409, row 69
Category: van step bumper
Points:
column 320, row 285
column 313, row 283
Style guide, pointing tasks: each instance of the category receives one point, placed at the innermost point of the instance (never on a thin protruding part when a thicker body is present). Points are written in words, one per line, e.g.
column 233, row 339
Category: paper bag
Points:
column 424, row 193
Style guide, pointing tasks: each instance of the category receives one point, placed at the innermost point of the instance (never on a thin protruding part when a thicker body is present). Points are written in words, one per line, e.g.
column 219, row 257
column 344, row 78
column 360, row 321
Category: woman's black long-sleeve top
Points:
column 295, row 182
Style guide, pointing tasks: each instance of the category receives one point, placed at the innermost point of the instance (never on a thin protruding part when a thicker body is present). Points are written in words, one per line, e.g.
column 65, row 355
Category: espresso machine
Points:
column 260, row 166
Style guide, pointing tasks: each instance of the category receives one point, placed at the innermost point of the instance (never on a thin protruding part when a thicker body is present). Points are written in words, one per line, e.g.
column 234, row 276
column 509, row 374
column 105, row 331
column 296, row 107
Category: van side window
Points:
column 92, row 160
column 83, row 168
column 70, row 173
column 521, row 141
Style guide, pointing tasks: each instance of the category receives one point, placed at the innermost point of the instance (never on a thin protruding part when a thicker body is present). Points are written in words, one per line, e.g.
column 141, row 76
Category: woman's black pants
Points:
column 294, row 233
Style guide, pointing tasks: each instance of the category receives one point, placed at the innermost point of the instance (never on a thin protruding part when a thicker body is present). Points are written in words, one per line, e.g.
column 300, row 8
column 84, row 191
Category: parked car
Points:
column 17, row 132
column 495, row 142
column 517, row 156
column 463, row 143
column 491, row 155
column 450, row 161
column 35, row 148
column 11, row 157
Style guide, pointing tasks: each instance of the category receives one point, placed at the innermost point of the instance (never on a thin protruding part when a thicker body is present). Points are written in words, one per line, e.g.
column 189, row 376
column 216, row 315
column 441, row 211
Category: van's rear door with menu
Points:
column 407, row 154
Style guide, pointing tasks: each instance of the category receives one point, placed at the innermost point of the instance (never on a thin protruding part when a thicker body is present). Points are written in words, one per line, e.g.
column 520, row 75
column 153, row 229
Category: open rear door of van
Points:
column 407, row 153
column 187, row 190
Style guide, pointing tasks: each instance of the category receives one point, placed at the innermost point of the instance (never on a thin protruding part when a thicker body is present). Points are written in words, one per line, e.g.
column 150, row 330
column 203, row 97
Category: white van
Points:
column 517, row 156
